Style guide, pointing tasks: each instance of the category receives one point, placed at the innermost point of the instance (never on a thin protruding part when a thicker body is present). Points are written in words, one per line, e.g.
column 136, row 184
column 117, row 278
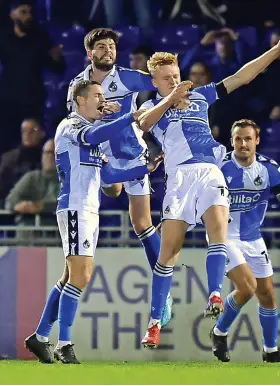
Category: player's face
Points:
column 166, row 78
column 244, row 142
column 103, row 54
column 95, row 101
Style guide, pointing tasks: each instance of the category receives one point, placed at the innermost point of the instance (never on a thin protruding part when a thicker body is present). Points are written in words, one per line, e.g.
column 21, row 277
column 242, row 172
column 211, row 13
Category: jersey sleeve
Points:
column 209, row 92
column 73, row 129
column 274, row 176
column 135, row 80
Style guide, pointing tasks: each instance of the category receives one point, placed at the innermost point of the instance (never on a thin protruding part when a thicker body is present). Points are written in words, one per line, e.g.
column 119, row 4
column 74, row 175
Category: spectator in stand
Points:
column 119, row 13
column 138, row 61
column 15, row 163
column 25, row 49
column 36, row 191
column 229, row 57
column 200, row 74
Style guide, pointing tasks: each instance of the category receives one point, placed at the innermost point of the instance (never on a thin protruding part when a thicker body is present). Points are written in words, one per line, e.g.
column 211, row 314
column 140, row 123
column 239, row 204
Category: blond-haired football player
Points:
column 196, row 190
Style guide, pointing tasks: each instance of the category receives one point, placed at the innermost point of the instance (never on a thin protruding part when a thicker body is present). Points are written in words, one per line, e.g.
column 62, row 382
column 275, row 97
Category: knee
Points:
column 267, row 298
column 217, row 232
column 80, row 279
column 247, row 289
column 140, row 223
column 113, row 191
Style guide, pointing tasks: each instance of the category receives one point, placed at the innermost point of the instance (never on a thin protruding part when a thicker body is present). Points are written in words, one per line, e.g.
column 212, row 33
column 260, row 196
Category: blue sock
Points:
column 162, row 280
column 150, row 240
column 68, row 305
column 269, row 323
column 50, row 312
column 232, row 310
column 215, row 266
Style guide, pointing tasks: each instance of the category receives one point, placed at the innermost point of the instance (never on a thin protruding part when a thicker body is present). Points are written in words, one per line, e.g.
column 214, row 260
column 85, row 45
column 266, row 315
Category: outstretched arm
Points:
column 248, row 72
column 96, row 135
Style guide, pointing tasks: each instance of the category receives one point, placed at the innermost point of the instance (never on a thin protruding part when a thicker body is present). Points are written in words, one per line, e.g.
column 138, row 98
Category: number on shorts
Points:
column 265, row 256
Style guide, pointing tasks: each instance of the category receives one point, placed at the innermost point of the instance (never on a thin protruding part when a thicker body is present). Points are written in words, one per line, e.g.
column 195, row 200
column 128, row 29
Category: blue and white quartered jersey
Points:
column 120, row 85
column 79, row 159
column 78, row 167
column 185, row 135
column 249, row 190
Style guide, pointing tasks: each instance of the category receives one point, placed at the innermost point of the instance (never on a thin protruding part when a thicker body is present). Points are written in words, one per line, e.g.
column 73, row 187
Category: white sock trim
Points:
column 62, row 343
column 218, row 332
column 270, row 349
column 41, row 338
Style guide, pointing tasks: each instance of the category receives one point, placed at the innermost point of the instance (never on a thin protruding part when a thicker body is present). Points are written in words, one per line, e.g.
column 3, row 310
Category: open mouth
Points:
column 100, row 108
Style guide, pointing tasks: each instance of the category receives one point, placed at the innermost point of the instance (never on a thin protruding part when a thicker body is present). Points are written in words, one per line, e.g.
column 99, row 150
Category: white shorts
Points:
column 253, row 253
column 78, row 232
column 191, row 190
column 139, row 187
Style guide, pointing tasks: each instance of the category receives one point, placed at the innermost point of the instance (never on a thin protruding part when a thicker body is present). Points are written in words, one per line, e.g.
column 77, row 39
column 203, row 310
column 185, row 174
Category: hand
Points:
column 179, row 92
column 231, row 33
column 155, row 162
column 209, row 38
column 137, row 113
column 30, row 207
column 111, row 108
column 56, row 52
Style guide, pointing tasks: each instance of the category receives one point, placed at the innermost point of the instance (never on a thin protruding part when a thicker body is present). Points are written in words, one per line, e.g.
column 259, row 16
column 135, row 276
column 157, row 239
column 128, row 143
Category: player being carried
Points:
column 196, row 190
column 122, row 85
column 79, row 162
column 250, row 178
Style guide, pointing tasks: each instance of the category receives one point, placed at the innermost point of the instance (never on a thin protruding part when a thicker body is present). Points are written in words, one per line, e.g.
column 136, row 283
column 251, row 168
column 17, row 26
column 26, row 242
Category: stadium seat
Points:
column 129, row 37
column 249, row 35
column 71, row 38
column 176, row 38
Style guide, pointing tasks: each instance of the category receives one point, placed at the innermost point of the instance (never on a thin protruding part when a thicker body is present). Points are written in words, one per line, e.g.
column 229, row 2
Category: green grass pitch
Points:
column 32, row 372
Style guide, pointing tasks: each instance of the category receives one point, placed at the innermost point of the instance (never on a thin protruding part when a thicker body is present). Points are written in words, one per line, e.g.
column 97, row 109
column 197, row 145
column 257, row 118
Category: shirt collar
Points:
column 88, row 70
column 239, row 166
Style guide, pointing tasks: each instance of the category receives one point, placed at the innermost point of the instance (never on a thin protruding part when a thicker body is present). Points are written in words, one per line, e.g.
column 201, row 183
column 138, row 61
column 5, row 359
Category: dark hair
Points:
column 15, row 4
column 97, row 34
column 242, row 123
column 81, row 88
column 33, row 119
column 143, row 49
column 205, row 66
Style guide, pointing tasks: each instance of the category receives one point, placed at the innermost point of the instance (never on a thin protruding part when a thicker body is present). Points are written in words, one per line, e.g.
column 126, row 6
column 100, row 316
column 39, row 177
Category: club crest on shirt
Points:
column 76, row 123
column 258, row 181
column 113, row 87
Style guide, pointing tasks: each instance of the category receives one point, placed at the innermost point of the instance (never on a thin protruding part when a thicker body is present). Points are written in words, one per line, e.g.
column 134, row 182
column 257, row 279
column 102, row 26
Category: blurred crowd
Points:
column 41, row 49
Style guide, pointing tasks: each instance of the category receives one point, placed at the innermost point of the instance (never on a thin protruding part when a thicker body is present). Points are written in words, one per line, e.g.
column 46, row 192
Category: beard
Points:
column 24, row 27
column 103, row 66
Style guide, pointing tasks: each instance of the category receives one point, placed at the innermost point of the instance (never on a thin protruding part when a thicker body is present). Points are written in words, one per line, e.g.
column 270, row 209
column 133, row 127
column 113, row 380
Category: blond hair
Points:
column 161, row 59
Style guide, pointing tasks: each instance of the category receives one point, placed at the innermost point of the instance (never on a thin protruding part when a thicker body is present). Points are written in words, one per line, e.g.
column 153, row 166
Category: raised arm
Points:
column 150, row 117
column 248, row 72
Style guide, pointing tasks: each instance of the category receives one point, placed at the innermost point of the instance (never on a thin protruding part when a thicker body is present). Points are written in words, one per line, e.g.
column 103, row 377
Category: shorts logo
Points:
column 86, row 244
column 258, row 181
column 229, row 179
column 227, row 261
column 113, row 87
column 167, row 210
column 73, row 248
